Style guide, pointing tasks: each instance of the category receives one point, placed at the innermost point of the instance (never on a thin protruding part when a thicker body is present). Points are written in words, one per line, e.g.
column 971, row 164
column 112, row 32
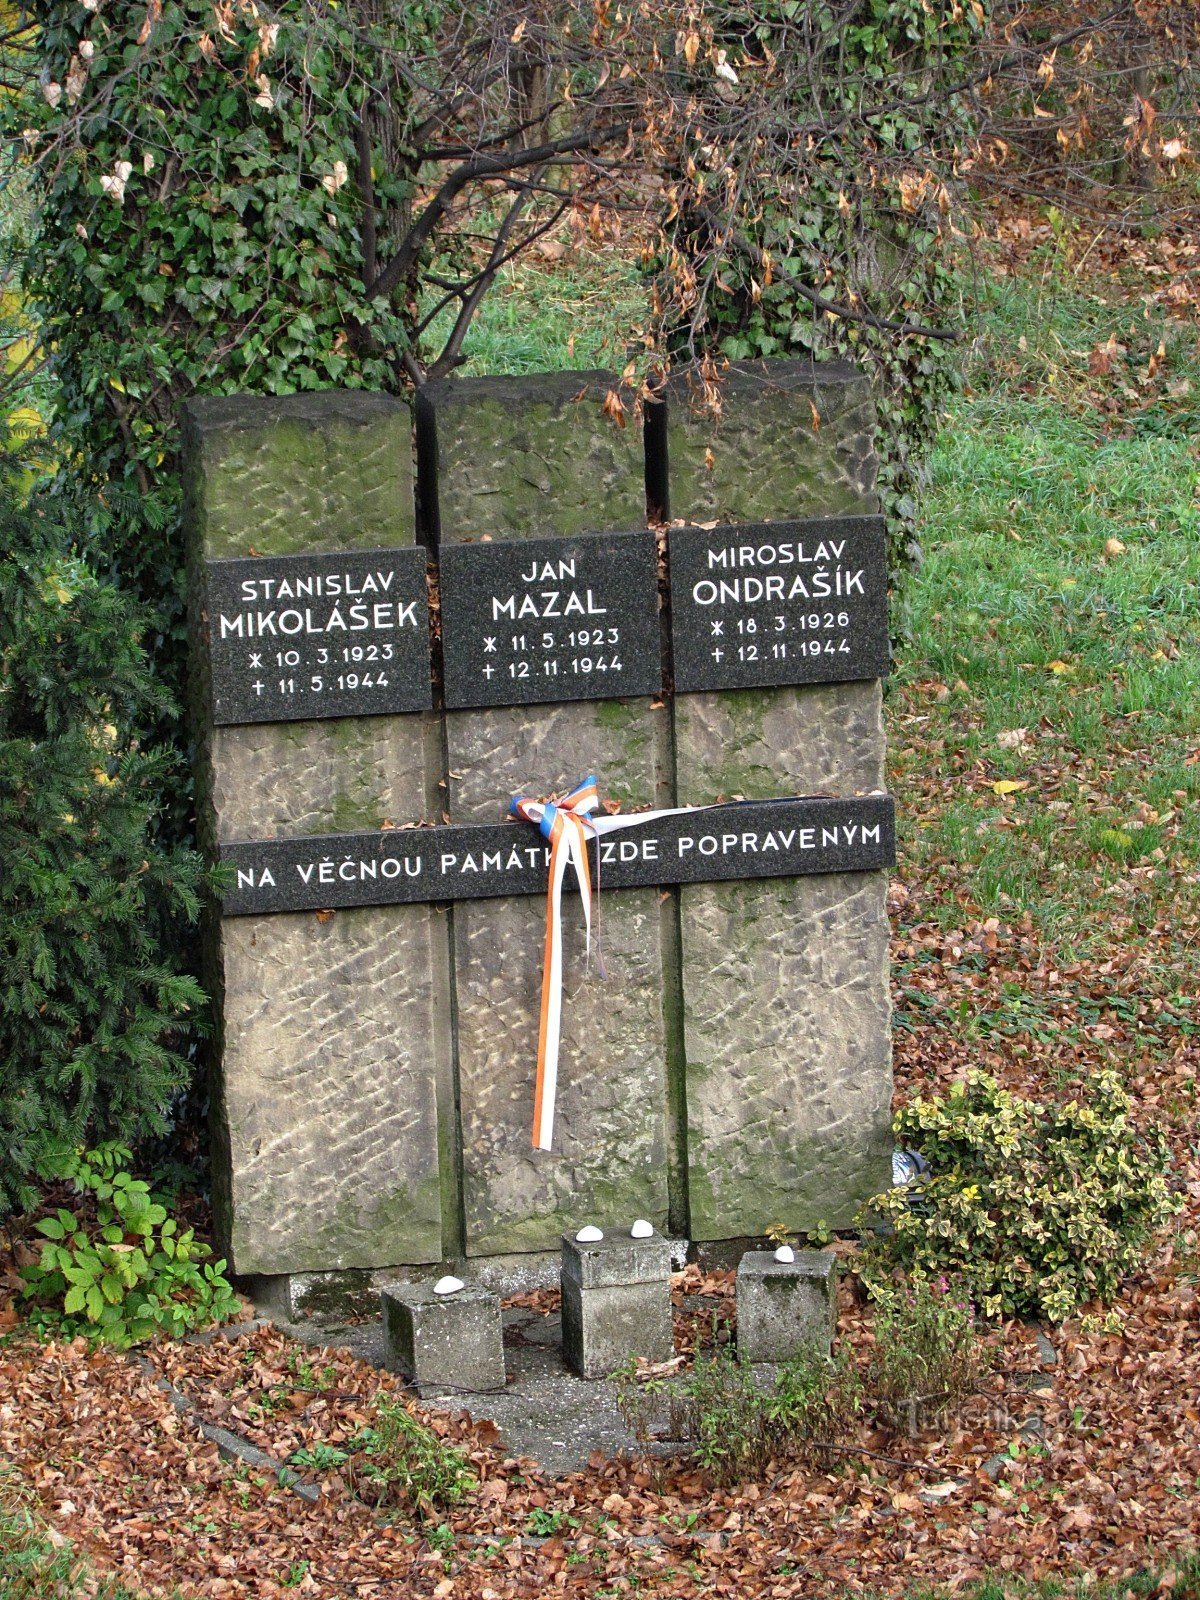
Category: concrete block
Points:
column 784, row 1305
column 451, row 1342
column 616, row 1303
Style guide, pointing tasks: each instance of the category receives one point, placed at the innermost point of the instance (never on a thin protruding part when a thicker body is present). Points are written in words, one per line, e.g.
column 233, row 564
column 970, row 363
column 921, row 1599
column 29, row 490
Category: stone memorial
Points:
column 518, row 460
column 332, row 1095
column 381, row 955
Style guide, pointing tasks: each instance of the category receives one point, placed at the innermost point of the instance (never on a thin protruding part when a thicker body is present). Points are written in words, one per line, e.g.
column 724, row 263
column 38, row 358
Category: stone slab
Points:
column 738, row 842
column 521, row 459
column 544, row 620
column 786, row 1023
column 765, row 604
column 784, row 1307
column 293, row 638
column 444, row 1343
column 608, row 1160
column 786, row 1014
column 616, row 1259
column 791, row 440
column 292, row 474
column 327, row 1103
column 332, row 1096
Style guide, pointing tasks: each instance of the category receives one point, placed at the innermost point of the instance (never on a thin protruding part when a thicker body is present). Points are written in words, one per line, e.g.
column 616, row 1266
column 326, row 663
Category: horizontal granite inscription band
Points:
column 298, row 638
column 783, row 838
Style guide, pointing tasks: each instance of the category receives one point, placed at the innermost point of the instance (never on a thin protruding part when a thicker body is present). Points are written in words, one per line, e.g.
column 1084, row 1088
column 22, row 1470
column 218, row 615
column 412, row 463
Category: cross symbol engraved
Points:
column 718, row 628
column 718, row 654
column 258, row 687
column 489, row 647
column 489, row 670
column 255, row 661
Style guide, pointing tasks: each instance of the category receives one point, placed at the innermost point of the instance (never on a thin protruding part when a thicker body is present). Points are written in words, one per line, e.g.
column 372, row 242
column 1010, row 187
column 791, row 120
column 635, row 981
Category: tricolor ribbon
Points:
column 567, row 823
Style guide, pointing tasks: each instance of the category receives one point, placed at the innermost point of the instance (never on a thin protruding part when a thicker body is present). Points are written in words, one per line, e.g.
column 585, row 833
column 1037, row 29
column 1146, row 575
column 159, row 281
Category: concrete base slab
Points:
column 545, row 1412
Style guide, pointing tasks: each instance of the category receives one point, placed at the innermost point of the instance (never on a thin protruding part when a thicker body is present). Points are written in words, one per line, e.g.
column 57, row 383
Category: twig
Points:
column 892, row 1461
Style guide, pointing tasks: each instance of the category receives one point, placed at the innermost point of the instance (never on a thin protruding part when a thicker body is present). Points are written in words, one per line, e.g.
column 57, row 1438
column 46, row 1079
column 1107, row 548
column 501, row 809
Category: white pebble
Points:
column 785, row 1253
column 589, row 1235
column 642, row 1229
column 448, row 1286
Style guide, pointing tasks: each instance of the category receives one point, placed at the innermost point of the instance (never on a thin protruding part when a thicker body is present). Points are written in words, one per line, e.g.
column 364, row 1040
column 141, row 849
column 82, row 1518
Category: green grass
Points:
column 33, row 1566
column 1093, row 1586
column 1021, row 619
column 550, row 319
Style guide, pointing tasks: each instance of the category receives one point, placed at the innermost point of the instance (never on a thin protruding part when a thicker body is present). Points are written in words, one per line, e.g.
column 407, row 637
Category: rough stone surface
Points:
column 786, row 1018
column 444, row 1343
column 276, row 779
column 784, row 1306
column 328, row 1111
column 785, row 1000
column 285, row 474
column 519, row 458
column 756, row 743
column 609, row 1155
column 769, row 459
column 332, row 1096
column 616, row 1303
column 617, row 1258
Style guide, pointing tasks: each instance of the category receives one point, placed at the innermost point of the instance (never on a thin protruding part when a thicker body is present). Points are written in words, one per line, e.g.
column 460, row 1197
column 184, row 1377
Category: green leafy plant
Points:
column 320, row 1457
column 1037, row 1207
column 93, row 1014
column 927, row 1353
column 737, row 1423
column 118, row 1268
column 399, row 1459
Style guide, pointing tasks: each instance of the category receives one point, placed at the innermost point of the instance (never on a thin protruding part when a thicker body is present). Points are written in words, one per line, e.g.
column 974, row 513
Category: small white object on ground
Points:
column 448, row 1285
column 589, row 1235
column 642, row 1229
column 785, row 1253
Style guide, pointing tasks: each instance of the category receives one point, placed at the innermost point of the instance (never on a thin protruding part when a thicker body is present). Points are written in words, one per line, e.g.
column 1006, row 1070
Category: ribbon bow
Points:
column 567, row 824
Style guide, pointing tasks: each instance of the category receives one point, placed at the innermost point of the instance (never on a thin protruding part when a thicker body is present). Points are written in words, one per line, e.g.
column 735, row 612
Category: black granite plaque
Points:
column 534, row 620
column 295, row 638
column 757, row 605
column 709, row 844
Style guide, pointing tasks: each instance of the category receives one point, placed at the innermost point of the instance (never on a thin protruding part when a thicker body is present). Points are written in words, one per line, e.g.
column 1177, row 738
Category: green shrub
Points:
column 927, row 1354
column 739, row 1424
column 400, row 1460
column 93, row 1017
column 1037, row 1207
column 118, row 1268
